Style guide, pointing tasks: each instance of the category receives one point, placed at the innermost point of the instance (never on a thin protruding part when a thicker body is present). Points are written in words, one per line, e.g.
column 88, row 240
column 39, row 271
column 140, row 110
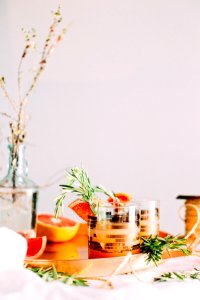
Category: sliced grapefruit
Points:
column 58, row 229
column 123, row 198
column 163, row 234
column 81, row 208
column 35, row 247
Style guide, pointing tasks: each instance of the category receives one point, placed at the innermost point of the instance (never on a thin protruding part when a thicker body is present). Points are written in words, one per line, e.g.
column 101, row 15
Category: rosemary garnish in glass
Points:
column 78, row 183
column 155, row 246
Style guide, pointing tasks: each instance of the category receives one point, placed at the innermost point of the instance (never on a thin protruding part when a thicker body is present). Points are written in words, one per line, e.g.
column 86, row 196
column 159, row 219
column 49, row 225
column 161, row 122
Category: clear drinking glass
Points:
column 149, row 217
column 114, row 231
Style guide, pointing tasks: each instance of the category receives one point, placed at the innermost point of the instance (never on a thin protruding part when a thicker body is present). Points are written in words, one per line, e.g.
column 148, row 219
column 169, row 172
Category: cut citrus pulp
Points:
column 58, row 229
column 163, row 234
column 123, row 198
column 81, row 208
column 36, row 247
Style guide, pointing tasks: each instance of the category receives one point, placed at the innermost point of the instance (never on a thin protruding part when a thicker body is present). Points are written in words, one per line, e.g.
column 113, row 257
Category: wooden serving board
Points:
column 72, row 258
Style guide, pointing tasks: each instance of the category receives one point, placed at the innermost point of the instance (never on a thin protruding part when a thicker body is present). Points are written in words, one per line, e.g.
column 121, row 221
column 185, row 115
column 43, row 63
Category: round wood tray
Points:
column 72, row 258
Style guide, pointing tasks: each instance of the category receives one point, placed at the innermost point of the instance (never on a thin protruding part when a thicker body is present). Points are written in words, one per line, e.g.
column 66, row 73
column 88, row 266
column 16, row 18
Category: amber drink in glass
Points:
column 149, row 218
column 114, row 231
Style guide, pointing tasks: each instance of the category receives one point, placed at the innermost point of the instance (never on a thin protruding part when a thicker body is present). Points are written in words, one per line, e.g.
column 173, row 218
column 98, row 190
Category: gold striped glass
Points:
column 149, row 218
column 115, row 231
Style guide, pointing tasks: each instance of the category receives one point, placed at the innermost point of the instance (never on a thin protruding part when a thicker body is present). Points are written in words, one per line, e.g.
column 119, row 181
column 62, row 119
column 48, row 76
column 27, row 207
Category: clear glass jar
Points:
column 18, row 195
column 114, row 231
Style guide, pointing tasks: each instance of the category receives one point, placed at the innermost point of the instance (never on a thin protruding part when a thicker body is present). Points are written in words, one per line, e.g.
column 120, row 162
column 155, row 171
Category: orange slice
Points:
column 36, row 247
column 59, row 229
column 123, row 198
column 81, row 208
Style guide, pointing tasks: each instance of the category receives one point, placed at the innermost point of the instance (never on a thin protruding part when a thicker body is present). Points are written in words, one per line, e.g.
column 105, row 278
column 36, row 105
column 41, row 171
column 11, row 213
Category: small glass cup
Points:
column 114, row 231
column 149, row 218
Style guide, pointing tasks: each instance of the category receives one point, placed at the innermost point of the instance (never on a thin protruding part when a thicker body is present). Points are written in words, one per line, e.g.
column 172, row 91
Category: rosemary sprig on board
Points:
column 78, row 183
column 50, row 274
column 154, row 247
column 179, row 276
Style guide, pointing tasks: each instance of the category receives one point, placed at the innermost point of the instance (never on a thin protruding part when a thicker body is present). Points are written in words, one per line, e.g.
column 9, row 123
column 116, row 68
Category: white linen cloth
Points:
column 19, row 284
column 13, row 249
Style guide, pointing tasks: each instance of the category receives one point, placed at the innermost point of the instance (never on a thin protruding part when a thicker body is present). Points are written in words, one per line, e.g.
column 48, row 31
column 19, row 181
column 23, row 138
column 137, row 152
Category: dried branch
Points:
column 4, row 114
column 6, row 94
column 47, row 50
column 30, row 43
column 18, row 123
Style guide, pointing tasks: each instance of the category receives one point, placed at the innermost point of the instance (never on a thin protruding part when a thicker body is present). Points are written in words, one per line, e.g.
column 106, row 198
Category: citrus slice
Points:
column 58, row 229
column 163, row 234
column 123, row 198
column 36, row 247
column 81, row 208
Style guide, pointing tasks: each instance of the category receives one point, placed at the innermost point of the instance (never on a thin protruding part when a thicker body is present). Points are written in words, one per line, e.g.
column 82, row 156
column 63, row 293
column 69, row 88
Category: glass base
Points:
column 18, row 209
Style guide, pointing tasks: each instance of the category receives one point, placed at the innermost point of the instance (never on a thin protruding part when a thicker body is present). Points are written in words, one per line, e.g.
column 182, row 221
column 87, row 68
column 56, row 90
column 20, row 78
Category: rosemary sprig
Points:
column 180, row 276
column 154, row 247
column 78, row 183
column 50, row 274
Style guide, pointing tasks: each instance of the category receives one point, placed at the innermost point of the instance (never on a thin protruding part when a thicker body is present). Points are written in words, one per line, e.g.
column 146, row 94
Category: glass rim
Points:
column 143, row 198
column 124, row 204
column 146, row 200
column 11, row 190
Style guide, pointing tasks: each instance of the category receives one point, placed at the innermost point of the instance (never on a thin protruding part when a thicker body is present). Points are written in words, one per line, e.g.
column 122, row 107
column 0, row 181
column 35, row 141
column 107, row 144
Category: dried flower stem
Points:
column 6, row 95
column 18, row 123
column 18, row 128
column 5, row 115
column 47, row 50
column 29, row 38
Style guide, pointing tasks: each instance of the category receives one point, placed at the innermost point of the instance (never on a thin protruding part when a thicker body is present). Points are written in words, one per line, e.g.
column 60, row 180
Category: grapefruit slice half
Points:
column 36, row 247
column 60, row 229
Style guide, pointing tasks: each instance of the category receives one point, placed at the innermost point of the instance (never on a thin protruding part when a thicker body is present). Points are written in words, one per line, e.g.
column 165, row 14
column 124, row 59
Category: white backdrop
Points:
column 120, row 95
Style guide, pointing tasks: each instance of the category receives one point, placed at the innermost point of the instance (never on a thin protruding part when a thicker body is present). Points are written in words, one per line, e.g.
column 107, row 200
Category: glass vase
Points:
column 18, row 195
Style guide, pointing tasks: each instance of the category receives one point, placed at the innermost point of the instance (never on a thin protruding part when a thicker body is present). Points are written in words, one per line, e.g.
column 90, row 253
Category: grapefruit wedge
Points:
column 81, row 208
column 35, row 247
column 58, row 229
column 123, row 198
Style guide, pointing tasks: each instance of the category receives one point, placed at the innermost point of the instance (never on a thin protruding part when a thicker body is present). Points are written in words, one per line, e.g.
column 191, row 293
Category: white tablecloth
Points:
column 23, row 284
column 17, row 283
